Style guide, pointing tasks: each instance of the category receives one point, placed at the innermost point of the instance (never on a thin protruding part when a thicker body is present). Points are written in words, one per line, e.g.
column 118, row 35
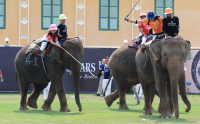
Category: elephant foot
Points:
column 23, row 108
column 108, row 100
column 45, row 108
column 147, row 111
column 123, row 107
column 32, row 104
column 166, row 114
column 65, row 109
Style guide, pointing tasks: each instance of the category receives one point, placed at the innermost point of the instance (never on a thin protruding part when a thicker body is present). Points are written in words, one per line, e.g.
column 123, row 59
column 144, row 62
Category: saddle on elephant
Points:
column 136, row 42
column 36, row 43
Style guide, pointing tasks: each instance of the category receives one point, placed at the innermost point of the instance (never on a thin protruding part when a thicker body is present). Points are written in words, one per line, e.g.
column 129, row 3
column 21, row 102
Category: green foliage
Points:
column 94, row 111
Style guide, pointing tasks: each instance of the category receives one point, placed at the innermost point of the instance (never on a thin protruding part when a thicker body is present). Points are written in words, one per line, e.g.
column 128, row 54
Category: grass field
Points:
column 94, row 111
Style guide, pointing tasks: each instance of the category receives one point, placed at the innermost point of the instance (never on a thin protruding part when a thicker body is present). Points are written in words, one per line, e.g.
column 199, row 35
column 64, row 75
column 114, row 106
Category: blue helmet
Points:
column 151, row 15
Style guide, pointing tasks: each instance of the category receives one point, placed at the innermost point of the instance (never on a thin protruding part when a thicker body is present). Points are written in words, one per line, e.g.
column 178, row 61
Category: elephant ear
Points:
column 155, row 49
column 55, row 54
column 187, row 50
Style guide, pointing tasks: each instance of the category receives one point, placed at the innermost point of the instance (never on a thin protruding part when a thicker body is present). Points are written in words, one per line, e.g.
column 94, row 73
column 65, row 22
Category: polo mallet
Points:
column 133, row 8
column 78, row 62
column 107, row 84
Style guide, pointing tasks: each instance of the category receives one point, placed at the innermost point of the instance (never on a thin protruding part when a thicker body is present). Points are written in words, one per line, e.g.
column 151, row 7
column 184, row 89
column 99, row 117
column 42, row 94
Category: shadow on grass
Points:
column 48, row 112
column 157, row 119
column 130, row 110
column 155, row 116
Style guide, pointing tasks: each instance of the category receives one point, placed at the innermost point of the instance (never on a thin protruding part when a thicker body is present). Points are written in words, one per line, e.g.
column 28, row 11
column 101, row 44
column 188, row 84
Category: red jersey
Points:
column 145, row 28
column 52, row 36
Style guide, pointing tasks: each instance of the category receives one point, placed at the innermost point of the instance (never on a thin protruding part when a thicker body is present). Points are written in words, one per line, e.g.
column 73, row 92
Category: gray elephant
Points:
column 32, row 71
column 165, row 66
column 123, row 69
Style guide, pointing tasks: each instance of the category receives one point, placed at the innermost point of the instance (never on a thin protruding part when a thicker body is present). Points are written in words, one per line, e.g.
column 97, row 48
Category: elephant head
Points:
column 63, row 59
column 171, row 53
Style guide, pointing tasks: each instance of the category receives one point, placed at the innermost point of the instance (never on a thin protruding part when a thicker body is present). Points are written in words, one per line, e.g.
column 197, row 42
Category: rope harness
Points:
column 44, row 67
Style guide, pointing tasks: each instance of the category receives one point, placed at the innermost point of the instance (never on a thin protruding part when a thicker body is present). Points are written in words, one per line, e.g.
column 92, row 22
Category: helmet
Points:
column 142, row 14
column 168, row 11
column 53, row 27
column 151, row 15
column 62, row 17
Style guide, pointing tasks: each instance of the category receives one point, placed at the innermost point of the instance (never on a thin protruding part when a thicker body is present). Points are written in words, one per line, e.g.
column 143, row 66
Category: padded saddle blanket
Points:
column 135, row 43
column 34, row 45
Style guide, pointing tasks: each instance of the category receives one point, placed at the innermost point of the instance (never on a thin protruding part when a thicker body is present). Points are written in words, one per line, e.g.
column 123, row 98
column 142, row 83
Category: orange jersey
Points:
column 157, row 26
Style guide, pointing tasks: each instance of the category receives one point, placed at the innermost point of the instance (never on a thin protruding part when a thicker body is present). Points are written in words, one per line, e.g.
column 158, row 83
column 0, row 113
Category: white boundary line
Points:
column 192, row 48
column 101, row 46
column 195, row 47
column 83, row 46
column 13, row 46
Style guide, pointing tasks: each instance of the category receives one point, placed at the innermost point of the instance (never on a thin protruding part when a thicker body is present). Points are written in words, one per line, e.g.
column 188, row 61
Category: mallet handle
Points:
column 78, row 62
column 132, row 8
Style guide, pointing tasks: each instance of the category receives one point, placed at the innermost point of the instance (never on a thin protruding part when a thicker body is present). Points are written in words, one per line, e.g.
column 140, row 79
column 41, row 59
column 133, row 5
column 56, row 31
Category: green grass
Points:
column 94, row 111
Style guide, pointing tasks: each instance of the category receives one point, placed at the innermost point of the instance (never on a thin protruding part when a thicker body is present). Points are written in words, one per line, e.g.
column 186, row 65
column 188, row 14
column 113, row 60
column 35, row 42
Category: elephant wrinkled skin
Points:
column 165, row 64
column 31, row 71
column 123, row 69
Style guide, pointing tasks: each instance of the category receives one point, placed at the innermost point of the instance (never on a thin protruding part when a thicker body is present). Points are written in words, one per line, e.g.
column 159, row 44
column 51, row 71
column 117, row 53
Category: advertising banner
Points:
column 91, row 60
column 193, row 72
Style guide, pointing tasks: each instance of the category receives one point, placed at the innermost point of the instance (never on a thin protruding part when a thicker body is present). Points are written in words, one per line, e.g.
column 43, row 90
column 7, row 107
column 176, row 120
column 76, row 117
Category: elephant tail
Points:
column 16, row 76
column 107, row 84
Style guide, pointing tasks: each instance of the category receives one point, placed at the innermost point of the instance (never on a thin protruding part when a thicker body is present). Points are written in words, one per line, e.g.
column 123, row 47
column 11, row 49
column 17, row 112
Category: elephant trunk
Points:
column 76, row 77
column 183, row 91
column 173, row 70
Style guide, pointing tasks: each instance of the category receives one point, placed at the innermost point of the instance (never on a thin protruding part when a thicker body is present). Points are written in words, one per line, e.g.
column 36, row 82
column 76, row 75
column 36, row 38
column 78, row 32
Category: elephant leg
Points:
column 32, row 99
column 164, row 100
column 122, row 98
column 170, row 97
column 23, row 85
column 111, row 98
column 50, row 98
column 147, row 99
column 61, row 95
column 152, row 95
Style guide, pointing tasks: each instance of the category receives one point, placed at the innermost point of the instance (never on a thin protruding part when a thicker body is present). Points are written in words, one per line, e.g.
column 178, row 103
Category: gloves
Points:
column 126, row 18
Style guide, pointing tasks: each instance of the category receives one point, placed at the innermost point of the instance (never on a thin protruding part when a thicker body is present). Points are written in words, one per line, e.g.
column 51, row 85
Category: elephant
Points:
column 32, row 71
column 163, row 64
column 123, row 69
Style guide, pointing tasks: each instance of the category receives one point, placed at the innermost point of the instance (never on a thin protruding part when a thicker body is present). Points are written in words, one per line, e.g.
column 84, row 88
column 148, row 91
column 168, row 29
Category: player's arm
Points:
column 133, row 21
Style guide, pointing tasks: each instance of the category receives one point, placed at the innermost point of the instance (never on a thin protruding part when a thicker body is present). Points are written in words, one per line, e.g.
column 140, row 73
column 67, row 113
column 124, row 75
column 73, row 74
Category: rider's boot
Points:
column 35, row 51
column 146, row 45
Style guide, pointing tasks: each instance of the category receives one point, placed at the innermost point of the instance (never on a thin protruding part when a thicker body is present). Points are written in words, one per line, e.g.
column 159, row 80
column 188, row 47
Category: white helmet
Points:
column 62, row 17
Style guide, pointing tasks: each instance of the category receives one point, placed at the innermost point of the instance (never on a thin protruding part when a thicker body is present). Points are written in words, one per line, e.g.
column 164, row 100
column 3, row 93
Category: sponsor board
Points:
column 193, row 72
